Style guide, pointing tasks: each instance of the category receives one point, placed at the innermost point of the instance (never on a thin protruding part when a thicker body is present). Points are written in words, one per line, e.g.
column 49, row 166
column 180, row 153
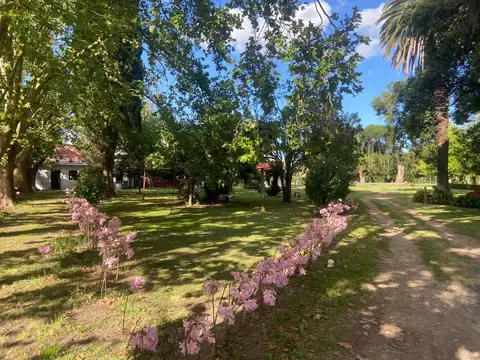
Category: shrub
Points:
column 91, row 185
column 252, row 184
column 328, row 179
column 464, row 186
column 470, row 200
column 273, row 190
column 419, row 196
column 466, row 201
column 440, row 197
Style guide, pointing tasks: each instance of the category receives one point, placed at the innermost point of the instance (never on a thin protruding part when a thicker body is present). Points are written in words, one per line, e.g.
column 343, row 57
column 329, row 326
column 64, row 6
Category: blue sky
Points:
column 376, row 70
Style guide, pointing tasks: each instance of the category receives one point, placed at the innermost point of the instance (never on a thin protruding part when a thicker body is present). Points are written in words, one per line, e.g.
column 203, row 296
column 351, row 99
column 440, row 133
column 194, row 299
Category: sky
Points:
column 376, row 71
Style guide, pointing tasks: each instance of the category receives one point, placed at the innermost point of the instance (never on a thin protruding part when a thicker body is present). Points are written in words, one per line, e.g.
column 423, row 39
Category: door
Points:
column 55, row 180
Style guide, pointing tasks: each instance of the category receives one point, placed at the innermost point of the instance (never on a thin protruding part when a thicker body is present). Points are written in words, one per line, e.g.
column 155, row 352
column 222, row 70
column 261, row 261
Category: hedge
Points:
column 470, row 200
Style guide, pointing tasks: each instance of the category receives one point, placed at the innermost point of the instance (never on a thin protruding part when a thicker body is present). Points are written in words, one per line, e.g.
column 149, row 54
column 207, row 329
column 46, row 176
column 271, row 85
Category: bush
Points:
column 470, row 200
column 419, row 196
column 273, row 190
column 328, row 179
column 252, row 184
column 466, row 201
column 91, row 185
column 464, row 186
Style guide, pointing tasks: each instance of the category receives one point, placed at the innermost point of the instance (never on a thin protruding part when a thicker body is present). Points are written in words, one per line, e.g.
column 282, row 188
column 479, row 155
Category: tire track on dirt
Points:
column 409, row 315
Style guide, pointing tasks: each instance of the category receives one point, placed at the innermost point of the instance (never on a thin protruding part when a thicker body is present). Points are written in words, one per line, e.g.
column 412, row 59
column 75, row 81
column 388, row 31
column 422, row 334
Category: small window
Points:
column 73, row 175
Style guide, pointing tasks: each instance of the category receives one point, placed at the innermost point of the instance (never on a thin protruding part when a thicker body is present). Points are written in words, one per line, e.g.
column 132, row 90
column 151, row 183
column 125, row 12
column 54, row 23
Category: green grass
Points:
column 175, row 251
column 462, row 220
column 313, row 312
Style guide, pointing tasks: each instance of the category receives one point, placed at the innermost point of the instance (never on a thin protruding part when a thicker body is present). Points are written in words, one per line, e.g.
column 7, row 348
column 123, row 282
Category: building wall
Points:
column 43, row 179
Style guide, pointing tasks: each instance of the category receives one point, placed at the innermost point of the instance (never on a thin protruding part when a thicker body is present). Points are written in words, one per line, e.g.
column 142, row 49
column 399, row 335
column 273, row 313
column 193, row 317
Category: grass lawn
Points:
column 60, row 315
column 466, row 221
column 317, row 311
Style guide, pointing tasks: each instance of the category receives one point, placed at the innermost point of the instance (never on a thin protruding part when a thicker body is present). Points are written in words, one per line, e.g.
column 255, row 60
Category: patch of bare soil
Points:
column 463, row 244
column 409, row 314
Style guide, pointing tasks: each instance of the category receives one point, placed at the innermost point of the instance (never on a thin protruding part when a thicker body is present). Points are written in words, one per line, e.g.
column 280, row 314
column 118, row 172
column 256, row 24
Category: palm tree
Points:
column 409, row 37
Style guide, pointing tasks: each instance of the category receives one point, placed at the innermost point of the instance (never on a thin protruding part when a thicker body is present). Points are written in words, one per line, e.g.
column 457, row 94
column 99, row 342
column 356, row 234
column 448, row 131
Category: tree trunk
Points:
column 20, row 178
column 7, row 191
column 191, row 189
column 287, row 189
column 111, row 138
column 31, row 175
column 400, row 174
column 361, row 176
column 22, row 164
column 441, row 138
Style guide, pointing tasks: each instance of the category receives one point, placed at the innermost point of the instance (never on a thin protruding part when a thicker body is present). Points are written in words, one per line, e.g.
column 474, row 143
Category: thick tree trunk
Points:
column 400, row 174
column 441, row 138
column 31, row 175
column 7, row 191
column 111, row 138
column 361, row 177
column 287, row 189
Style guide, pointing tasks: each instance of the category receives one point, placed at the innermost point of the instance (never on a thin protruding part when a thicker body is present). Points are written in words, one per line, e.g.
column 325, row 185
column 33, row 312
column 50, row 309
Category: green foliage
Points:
column 253, row 184
column 91, row 185
column 66, row 243
column 273, row 190
column 470, row 200
column 328, row 179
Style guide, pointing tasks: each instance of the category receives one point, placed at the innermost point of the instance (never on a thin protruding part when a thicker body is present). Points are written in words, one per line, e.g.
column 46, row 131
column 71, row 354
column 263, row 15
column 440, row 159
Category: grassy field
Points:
column 60, row 315
column 175, row 251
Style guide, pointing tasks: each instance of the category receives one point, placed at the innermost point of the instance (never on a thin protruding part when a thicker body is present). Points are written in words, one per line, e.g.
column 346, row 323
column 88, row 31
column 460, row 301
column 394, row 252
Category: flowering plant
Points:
column 102, row 235
column 257, row 286
column 44, row 251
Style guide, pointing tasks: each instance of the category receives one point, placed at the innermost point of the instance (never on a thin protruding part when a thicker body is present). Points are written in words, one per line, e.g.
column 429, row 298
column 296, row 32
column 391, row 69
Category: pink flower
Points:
column 236, row 275
column 137, row 283
column 250, row 305
column 111, row 262
column 129, row 253
column 145, row 339
column 227, row 312
column 130, row 236
column 197, row 331
column 211, row 287
column 44, row 250
column 269, row 297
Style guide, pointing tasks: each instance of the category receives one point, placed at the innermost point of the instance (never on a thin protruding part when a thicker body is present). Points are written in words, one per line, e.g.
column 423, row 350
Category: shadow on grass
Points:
column 284, row 331
column 170, row 250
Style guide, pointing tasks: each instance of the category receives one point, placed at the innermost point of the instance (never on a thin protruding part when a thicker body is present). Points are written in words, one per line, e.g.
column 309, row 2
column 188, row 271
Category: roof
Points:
column 69, row 154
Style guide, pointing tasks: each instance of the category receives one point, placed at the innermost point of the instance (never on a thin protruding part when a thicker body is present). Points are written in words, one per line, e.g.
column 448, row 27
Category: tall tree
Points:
column 433, row 41
column 288, row 114
column 42, row 43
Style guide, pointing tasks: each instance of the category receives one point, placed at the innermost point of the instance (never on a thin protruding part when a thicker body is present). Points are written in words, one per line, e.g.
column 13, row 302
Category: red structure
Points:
column 265, row 166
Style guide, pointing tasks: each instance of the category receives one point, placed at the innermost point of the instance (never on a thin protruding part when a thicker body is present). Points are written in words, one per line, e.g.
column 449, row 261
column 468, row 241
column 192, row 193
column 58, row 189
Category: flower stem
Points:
column 124, row 313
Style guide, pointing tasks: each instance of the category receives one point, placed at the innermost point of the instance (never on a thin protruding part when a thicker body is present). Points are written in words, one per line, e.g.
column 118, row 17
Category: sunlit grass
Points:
column 176, row 248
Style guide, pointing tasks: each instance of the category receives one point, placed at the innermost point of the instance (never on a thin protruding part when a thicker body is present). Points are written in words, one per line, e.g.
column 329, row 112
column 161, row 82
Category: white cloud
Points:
column 370, row 28
column 307, row 13
column 370, row 50
column 342, row 4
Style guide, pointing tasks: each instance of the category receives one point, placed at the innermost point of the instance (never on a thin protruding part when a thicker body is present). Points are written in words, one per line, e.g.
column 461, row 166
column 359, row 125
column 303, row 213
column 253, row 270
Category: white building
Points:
column 67, row 162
